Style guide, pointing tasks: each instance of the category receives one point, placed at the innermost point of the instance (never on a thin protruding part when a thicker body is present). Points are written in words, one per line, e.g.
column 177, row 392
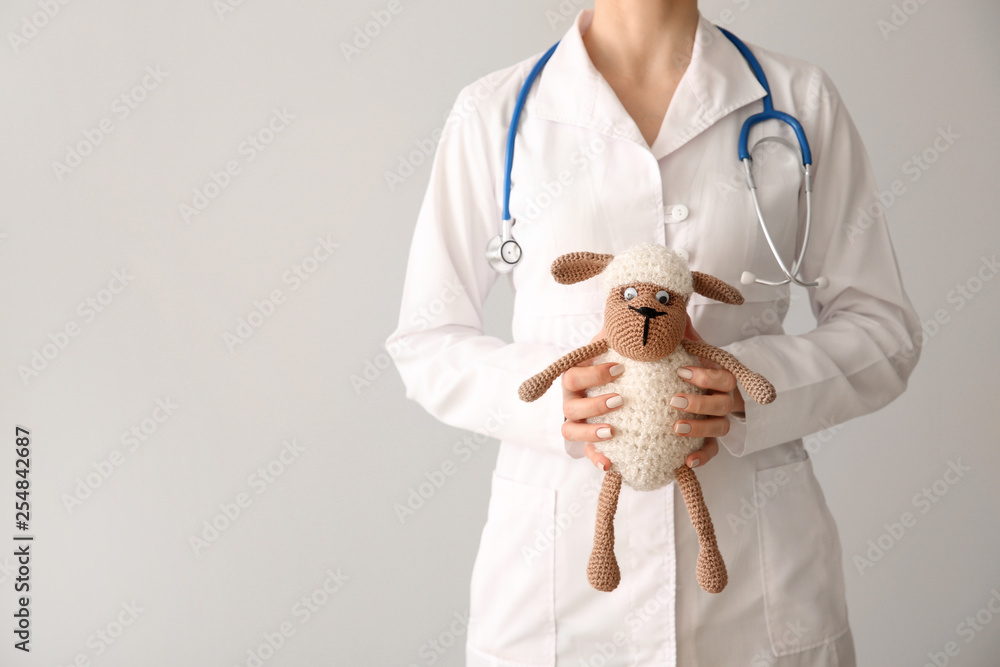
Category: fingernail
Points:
column 616, row 370
column 679, row 402
column 680, row 428
column 685, row 373
column 614, row 401
column 604, row 433
column 694, row 463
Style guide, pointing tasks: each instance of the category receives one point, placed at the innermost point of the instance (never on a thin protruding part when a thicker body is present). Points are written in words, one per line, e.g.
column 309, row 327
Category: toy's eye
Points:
column 663, row 296
column 630, row 293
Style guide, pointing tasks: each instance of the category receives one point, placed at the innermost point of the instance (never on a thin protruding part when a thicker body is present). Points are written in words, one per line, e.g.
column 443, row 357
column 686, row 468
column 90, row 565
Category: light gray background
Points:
column 362, row 447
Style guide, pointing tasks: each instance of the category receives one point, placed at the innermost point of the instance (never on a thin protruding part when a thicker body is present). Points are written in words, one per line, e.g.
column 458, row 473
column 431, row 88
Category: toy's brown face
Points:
column 644, row 321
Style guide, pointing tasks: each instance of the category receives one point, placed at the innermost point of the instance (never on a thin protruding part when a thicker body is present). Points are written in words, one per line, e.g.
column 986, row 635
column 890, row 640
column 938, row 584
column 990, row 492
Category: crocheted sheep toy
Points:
column 648, row 288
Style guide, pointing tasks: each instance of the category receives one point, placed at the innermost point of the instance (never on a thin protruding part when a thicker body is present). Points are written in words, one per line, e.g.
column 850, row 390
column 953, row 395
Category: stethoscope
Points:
column 504, row 252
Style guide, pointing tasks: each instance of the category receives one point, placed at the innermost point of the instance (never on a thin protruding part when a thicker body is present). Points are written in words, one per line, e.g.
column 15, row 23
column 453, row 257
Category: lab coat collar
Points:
column 717, row 81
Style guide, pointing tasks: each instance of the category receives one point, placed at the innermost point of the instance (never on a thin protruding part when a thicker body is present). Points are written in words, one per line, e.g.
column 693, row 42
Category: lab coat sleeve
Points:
column 867, row 339
column 459, row 375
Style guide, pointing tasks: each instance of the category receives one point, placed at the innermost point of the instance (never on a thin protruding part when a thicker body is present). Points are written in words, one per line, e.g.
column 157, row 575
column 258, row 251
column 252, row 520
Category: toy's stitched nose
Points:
column 646, row 311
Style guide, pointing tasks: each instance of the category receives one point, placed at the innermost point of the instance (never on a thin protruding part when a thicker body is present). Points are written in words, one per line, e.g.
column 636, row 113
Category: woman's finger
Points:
column 713, row 405
column 703, row 455
column 598, row 459
column 586, row 432
column 578, row 409
column 716, row 379
column 580, row 378
column 710, row 427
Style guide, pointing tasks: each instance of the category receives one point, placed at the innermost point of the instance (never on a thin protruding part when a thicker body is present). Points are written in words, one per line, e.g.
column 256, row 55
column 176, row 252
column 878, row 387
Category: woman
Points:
column 629, row 134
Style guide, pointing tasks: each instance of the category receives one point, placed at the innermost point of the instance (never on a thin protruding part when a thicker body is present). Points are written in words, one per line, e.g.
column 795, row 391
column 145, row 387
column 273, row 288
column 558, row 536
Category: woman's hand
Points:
column 577, row 406
column 723, row 398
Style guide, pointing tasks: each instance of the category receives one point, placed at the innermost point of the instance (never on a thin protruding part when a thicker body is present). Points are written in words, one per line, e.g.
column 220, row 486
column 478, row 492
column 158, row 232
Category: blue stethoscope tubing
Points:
column 504, row 252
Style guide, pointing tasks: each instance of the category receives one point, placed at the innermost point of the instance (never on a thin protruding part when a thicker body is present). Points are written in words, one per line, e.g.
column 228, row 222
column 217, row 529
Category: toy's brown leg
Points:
column 711, row 569
column 602, row 569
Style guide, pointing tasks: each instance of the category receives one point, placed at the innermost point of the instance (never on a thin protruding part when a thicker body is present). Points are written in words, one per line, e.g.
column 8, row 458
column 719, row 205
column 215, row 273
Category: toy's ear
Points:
column 576, row 266
column 713, row 288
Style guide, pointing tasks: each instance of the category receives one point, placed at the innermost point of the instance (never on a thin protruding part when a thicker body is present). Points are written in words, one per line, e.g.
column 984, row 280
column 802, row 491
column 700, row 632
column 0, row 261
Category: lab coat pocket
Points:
column 512, row 608
column 801, row 560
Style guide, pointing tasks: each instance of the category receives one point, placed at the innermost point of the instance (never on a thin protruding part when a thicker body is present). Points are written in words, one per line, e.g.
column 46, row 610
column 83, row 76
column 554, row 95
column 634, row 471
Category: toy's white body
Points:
column 644, row 448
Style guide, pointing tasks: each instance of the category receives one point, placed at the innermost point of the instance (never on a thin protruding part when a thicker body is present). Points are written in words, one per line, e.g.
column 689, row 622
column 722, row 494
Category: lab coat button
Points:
column 676, row 212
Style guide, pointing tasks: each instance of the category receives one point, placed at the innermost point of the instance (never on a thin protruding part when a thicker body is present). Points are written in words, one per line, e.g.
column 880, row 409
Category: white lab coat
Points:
column 585, row 179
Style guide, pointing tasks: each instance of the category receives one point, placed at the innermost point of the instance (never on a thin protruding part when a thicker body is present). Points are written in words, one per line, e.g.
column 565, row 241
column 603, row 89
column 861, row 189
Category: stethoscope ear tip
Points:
column 822, row 282
column 748, row 278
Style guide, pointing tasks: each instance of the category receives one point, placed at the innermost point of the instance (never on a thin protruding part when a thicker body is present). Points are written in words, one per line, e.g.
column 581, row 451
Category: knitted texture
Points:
column 576, row 266
column 755, row 384
column 647, row 289
column 641, row 328
column 715, row 289
column 644, row 448
column 602, row 568
column 711, row 569
column 649, row 263
column 533, row 388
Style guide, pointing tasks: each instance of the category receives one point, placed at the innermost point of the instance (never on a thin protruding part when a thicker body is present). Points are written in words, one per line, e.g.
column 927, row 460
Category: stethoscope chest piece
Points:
column 503, row 255
column 503, row 252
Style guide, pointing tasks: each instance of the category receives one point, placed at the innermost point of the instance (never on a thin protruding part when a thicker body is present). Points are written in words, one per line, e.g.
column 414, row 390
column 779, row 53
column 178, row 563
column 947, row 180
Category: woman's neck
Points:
column 642, row 40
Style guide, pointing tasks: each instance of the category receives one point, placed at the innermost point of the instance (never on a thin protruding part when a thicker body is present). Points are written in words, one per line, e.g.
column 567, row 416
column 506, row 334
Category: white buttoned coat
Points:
column 585, row 179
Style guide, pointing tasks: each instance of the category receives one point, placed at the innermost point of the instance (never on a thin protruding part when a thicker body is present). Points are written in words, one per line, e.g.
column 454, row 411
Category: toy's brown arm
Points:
column 533, row 388
column 755, row 384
